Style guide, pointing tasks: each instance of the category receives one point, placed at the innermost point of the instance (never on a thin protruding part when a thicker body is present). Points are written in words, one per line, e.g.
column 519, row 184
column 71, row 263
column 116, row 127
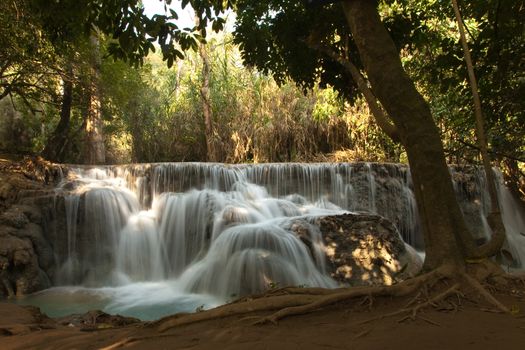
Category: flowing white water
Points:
column 149, row 240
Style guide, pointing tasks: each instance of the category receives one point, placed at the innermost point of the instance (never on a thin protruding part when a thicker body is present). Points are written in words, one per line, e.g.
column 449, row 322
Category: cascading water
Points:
column 152, row 239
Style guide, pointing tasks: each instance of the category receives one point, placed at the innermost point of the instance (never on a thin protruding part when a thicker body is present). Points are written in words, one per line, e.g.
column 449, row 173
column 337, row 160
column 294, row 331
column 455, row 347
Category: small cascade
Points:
column 514, row 224
column 475, row 203
column 204, row 232
column 97, row 209
column 140, row 249
column 251, row 258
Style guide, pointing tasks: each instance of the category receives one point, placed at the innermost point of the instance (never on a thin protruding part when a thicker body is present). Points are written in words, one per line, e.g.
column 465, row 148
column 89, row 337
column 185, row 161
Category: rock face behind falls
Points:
column 27, row 196
column 222, row 230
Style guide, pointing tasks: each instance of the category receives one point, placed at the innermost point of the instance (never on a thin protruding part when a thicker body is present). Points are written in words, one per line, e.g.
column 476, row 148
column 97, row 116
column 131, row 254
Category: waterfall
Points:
column 200, row 234
column 475, row 203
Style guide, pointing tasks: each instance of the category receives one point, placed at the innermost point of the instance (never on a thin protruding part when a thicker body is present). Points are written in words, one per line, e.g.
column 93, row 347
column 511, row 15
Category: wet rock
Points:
column 14, row 217
column 41, row 246
column 6, row 189
column 20, row 272
column 7, row 230
column 33, row 213
column 95, row 320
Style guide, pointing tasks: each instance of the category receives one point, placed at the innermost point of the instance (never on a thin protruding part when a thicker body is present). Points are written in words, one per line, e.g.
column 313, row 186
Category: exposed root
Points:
column 368, row 301
column 413, row 300
column 483, row 291
column 293, row 301
column 401, row 289
column 260, row 304
column 429, row 321
column 301, row 291
column 414, row 310
column 290, row 301
column 515, row 278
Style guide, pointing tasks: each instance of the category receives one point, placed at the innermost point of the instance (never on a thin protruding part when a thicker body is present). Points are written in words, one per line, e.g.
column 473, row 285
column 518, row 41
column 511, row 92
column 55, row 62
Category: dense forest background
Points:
column 63, row 94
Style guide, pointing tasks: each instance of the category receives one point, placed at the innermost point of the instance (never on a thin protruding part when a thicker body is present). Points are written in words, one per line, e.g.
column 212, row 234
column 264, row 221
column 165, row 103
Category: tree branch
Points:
column 504, row 155
column 380, row 116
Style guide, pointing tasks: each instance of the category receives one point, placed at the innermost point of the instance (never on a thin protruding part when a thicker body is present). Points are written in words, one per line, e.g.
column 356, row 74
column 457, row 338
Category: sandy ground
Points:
column 473, row 326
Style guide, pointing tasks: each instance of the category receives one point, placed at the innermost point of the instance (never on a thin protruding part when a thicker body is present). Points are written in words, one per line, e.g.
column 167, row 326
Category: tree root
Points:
column 301, row 291
column 473, row 283
column 401, row 289
column 413, row 310
column 515, row 278
column 290, row 301
column 255, row 305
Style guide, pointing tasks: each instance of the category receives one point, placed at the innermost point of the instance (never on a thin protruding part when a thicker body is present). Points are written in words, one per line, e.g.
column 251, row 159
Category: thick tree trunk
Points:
column 445, row 233
column 95, row 150
column 55, row 149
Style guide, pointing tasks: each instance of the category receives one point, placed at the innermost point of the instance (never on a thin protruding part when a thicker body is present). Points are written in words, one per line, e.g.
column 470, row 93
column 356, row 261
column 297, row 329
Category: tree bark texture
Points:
column 446, row 237
column 95, row 150
column 137, row 136
column 55, row 149
column 211, row 155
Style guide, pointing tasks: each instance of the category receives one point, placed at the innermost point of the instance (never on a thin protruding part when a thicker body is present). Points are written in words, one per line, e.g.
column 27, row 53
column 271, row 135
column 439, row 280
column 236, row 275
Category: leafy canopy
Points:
column 126, row 22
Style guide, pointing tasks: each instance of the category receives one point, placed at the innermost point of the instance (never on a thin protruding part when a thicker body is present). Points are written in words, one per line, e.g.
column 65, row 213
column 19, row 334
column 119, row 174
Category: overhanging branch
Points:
column 380, row 116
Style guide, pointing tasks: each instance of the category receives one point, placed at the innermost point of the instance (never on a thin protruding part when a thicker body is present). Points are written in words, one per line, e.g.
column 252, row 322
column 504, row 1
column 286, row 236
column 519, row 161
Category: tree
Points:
column 27, row 60
column 94, row 151
column 268, row 34
column 55, row 148
column 209, row 133
column 494, row 32
column 275, row 36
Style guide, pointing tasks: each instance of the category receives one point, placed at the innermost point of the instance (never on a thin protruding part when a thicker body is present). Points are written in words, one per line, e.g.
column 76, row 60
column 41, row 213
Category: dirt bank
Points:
column 465, row 325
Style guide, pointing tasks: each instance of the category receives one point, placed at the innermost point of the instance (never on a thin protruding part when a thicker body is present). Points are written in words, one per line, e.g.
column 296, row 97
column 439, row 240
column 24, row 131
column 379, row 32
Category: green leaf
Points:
column 179, row 54
column 217, row 26
column 124, row 41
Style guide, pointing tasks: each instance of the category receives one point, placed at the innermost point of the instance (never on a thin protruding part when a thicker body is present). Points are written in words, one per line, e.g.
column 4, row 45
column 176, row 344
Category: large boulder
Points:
column 366, row 249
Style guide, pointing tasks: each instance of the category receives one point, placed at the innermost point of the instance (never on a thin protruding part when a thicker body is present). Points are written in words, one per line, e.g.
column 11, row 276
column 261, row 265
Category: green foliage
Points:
column 27, row 60
column 151, row 103
column 497, row 42
column 276, row 37
column 155, row 114
column 328, row 104
column 125, row 21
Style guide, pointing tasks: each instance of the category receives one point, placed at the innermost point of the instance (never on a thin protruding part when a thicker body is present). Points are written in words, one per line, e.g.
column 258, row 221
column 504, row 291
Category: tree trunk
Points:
column 211, row 154
column 95, row 150
column 494, row 217
column 55, row 149
column 444, row 230
column 137, row 137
